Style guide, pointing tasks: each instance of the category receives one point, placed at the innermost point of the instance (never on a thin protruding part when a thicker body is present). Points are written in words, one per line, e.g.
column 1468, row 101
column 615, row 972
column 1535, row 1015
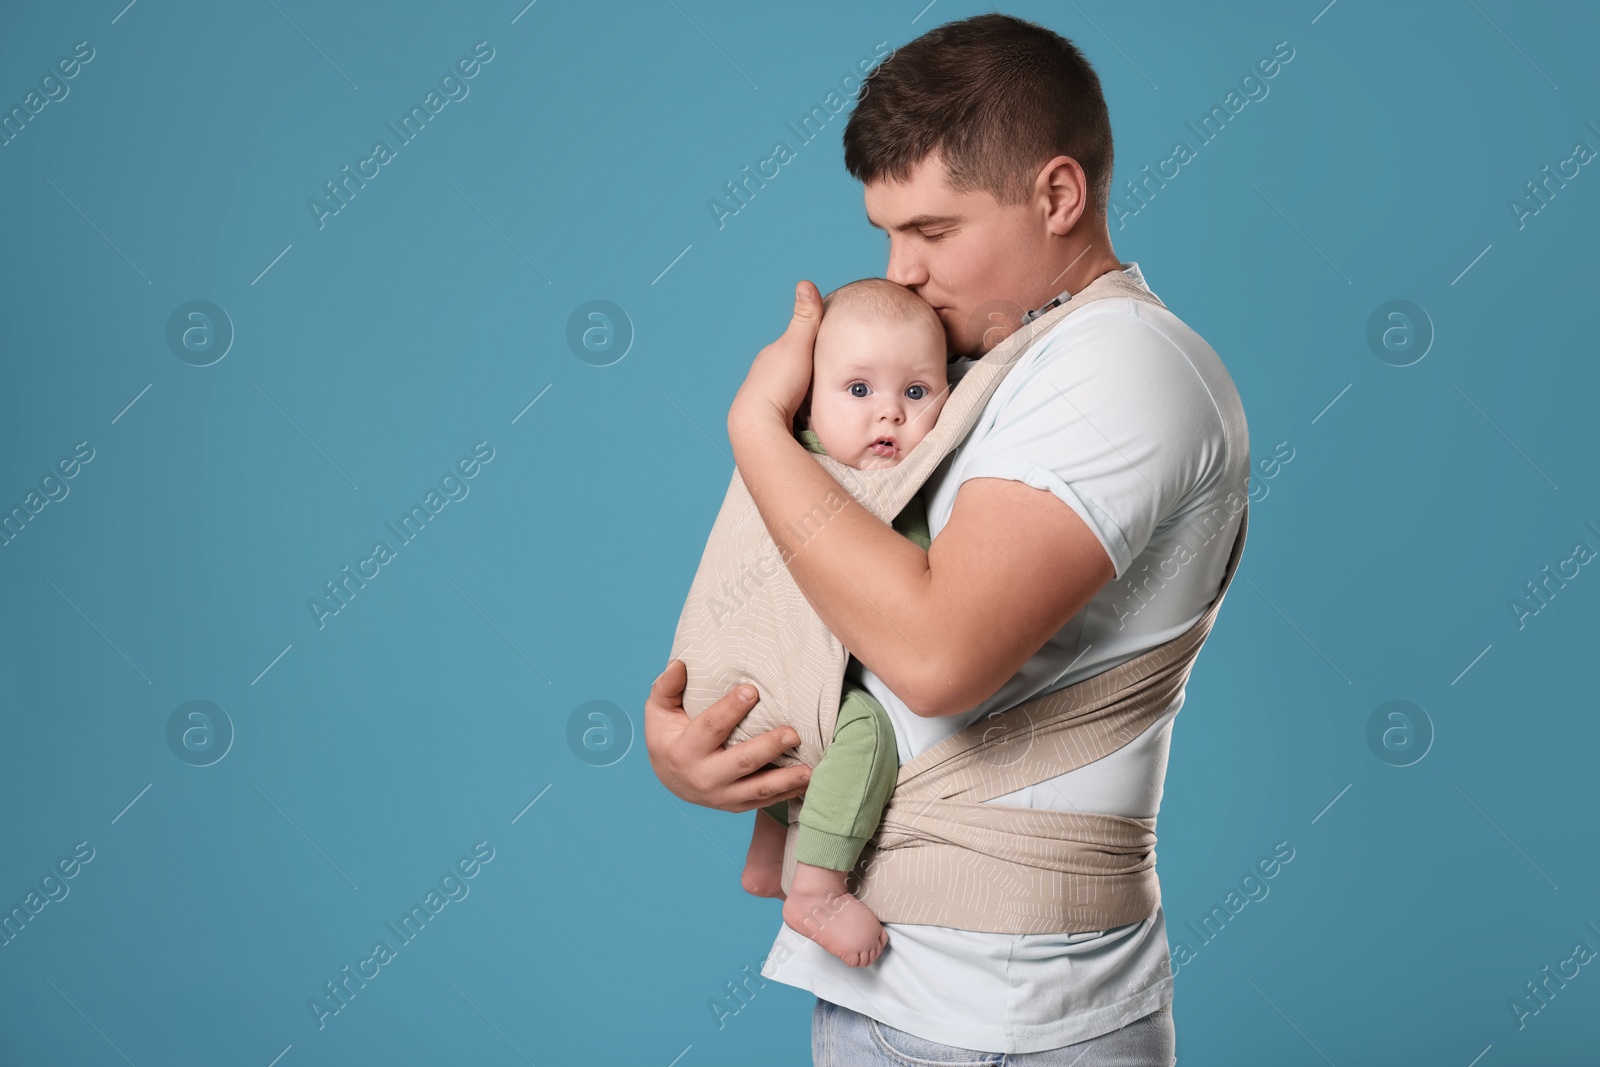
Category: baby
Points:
column 878, row 384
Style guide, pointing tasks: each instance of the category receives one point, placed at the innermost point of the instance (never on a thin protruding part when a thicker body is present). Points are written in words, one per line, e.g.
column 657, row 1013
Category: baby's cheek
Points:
column 913, row 438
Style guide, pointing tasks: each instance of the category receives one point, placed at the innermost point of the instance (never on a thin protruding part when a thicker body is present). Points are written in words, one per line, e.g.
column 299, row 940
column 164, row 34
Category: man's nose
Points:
column 905, row 266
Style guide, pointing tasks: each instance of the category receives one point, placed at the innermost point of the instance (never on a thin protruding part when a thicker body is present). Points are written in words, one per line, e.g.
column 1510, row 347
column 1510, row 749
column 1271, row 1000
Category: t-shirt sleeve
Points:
column 1113, row 420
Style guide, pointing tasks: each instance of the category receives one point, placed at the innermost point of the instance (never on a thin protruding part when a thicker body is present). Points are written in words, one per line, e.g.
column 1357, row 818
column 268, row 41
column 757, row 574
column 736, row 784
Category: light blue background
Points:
column 434, row 708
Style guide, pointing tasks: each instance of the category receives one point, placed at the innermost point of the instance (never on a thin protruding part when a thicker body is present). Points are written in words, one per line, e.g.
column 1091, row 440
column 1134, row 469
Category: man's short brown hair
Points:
column 996, row 96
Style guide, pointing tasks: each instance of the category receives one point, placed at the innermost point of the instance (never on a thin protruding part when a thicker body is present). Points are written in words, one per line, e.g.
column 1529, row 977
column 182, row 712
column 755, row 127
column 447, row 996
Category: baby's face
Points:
column 877, row 388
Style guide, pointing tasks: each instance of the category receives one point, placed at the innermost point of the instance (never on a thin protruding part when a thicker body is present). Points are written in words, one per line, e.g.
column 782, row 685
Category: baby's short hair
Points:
column 883, row 298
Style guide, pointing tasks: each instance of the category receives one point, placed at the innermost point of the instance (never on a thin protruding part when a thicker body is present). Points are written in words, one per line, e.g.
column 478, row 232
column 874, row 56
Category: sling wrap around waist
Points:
column 941, row 855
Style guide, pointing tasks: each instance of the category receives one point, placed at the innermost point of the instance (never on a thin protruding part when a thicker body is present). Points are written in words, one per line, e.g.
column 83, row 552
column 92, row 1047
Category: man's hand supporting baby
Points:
column 687, row 754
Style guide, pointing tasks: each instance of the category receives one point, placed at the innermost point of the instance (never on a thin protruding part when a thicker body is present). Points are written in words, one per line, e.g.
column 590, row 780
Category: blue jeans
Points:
column 841, row 1037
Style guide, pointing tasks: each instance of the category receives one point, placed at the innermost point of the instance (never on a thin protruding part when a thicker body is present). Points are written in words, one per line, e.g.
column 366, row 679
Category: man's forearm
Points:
column 869, row 585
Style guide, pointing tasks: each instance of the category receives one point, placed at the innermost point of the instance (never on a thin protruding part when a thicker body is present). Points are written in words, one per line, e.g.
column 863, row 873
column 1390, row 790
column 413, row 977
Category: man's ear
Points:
column 1064, row 185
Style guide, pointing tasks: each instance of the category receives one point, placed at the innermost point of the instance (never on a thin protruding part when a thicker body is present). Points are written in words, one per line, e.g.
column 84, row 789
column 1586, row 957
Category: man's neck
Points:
column 1070, row 290
column 1083, row 266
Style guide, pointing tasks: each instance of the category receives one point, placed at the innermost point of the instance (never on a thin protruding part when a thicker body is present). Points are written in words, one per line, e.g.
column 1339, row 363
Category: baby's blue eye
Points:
column 917, row 392
column 856, row 385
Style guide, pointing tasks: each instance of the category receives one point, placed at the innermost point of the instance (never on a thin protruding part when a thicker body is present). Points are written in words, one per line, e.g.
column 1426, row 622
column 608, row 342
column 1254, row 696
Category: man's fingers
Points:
column 769, row 787
column 764, row 748
column 667, row 689
column 665, row 701
column 664, row 719
column 713, row 726
column 749, row 781
column 752, row 757
column 807, row 307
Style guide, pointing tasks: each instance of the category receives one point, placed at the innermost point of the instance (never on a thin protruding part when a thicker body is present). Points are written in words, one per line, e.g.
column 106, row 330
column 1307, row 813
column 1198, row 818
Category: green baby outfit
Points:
column 855, row 776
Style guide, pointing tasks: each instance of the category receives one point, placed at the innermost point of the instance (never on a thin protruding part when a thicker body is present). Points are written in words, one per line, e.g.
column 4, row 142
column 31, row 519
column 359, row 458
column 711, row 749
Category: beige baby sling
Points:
column 941, row 855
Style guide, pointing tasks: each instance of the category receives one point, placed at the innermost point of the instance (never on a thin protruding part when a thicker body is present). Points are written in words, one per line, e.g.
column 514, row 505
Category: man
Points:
column 1088, row 517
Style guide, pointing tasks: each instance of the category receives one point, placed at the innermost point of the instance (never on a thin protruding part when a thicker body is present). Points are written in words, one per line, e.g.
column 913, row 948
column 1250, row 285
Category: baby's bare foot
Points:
column 818, row 907
column 763, row 864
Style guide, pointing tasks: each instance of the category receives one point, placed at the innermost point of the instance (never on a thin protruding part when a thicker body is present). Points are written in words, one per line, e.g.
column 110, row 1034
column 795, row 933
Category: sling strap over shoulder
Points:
column 942, row 855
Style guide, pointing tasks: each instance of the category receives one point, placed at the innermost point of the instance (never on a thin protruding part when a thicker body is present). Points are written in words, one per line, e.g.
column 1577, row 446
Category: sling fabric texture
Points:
column 941, row 855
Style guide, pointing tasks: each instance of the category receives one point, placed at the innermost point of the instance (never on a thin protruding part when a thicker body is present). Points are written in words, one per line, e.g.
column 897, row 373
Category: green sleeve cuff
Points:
column 812, row 442
column 822, row 849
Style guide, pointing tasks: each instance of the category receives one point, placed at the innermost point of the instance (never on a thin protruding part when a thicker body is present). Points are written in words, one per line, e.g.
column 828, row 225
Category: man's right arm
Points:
column 687, row 754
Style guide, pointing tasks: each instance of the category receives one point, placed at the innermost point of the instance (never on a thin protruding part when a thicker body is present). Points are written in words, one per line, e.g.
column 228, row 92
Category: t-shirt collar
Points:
column 1130, row 269
column 958, row 365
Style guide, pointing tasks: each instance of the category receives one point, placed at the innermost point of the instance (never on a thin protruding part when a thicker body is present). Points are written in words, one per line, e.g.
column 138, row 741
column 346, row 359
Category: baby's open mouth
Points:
column 884, row 446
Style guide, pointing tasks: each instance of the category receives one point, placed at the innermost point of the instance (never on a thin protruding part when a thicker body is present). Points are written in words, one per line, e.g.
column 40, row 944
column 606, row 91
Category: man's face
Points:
column 976, row 262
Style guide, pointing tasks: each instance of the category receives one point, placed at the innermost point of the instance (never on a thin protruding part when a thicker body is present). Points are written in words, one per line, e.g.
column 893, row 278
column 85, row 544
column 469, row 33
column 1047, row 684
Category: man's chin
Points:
column 957, row 348
column 961, row 346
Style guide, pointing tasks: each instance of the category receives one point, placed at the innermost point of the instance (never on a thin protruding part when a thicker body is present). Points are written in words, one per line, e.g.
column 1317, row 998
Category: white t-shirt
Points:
column 1129, row 417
